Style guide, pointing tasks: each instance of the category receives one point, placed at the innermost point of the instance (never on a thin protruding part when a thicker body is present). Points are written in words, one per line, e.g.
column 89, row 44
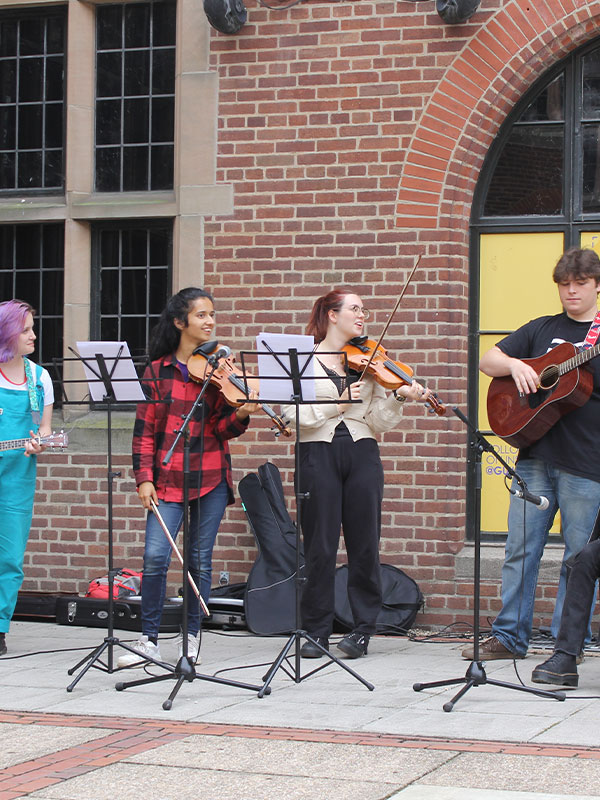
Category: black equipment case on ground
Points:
column 401, row 601
column 270, row 601
column 93, row 613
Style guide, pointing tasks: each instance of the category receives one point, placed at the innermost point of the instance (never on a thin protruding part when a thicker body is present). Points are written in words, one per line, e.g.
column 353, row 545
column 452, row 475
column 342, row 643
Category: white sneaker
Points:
column 145, row 648
column 193, row 647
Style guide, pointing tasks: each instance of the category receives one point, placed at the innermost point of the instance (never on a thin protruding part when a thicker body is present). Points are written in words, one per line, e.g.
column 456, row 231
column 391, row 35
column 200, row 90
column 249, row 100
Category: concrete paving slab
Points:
column 17, row 743
column 518, row 773
column 320, row 760
column 132, row 781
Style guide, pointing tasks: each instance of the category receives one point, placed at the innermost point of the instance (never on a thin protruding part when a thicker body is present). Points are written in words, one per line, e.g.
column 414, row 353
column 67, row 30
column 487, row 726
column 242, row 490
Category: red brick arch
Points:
column 507, row 54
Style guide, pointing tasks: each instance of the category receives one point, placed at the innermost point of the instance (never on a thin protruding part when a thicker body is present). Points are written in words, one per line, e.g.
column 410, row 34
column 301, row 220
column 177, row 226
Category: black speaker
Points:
column 226, row 16
column 455, row 12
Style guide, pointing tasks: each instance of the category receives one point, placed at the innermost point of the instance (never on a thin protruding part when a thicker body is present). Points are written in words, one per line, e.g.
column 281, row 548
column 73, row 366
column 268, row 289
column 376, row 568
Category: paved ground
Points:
column 326, row 736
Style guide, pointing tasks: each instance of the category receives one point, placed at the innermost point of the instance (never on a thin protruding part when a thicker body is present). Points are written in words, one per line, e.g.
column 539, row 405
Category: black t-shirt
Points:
column 573, row 443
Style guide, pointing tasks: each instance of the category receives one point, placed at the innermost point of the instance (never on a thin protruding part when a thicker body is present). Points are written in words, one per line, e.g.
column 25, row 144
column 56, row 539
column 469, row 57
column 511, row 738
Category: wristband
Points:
column 399, row 397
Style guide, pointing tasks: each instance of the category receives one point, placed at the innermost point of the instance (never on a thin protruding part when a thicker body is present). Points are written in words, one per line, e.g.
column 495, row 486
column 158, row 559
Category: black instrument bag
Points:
column 401, row 601
column 270, row 599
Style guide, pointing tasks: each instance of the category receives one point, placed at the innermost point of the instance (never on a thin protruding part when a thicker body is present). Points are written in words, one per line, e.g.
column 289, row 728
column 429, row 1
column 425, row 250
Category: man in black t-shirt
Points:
column 563, row 466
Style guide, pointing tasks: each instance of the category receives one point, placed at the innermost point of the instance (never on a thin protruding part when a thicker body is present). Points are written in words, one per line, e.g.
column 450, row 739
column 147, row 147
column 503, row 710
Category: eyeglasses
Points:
column 357, row 311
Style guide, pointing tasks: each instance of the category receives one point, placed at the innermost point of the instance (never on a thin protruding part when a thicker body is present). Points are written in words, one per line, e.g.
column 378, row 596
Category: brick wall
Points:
column 353, row 134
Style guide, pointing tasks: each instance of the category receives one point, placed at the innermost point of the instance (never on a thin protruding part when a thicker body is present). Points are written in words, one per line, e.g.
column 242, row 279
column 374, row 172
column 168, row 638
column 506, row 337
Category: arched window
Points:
column 538, row 194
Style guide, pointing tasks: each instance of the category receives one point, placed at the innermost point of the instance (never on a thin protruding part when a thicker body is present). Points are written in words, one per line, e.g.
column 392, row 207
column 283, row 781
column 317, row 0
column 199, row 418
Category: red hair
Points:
column 319, row 316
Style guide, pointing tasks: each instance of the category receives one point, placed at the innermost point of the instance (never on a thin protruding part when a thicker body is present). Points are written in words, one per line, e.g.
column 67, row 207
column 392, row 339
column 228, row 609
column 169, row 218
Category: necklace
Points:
column 14, row 383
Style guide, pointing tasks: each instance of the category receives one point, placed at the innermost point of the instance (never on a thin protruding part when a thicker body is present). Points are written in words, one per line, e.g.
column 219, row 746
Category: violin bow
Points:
column 387, row 324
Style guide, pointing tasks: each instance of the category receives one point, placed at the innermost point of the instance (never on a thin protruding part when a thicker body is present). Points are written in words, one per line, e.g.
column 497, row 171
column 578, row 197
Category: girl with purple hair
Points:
column 26, row 398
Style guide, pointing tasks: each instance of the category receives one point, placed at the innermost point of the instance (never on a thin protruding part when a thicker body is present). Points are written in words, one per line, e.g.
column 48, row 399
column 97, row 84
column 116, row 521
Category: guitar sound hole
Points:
column 549, row 377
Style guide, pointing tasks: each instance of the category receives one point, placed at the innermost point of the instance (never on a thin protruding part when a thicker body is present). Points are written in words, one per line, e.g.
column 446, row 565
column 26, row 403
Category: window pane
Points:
column 8, row 80
column 30, row 169
column 108, row 74
column 31, row 73
column 8, row 37
column 137, row 25
column 108, row 166
column 162, row 120
column 31, row 120
column 53, row 169
column 163, row 28
column 109, row 27
column 591, row 85
column 54, row 125
column 162, row 167
column 135, row 120
column 135, row 288
column 591, row 168
column 163, row 71
column 32, row 36
column 135, row 169
column 549, row 104
column 528, row 176
column 108, row 122
column 137, row 73
column 54, row 78
column 109, row 298
column 7, row 127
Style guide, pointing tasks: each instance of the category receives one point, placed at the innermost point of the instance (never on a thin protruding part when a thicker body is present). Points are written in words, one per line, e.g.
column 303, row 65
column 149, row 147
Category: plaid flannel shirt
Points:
column 155, row 429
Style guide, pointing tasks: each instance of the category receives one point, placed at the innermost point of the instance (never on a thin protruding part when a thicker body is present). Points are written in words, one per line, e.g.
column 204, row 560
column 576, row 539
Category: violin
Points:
column 230, row 380
column 362, row 352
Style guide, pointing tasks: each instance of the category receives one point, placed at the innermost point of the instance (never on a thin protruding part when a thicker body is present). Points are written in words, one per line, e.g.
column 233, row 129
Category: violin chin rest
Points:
column 206, row 348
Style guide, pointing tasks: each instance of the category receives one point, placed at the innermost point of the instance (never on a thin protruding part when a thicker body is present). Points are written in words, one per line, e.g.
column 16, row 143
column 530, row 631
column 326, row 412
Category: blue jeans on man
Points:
column 579, row 500
column 205, row 518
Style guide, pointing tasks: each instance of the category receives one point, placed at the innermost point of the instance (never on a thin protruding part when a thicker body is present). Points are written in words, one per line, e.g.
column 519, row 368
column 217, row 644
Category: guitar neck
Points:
column 582, row 357
column 14, row 444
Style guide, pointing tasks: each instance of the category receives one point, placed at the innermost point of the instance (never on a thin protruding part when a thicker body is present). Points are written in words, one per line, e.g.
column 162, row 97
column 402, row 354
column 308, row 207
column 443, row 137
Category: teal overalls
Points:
column 17, row 488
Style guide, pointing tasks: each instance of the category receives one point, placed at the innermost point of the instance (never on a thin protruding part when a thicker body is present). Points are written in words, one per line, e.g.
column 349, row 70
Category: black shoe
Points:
column 560, row 668
column 3, row 647
column 309, row 650
column 354, row 645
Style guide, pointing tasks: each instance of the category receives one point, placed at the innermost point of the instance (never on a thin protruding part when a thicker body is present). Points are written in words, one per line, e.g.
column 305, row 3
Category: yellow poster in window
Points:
column 515, row 286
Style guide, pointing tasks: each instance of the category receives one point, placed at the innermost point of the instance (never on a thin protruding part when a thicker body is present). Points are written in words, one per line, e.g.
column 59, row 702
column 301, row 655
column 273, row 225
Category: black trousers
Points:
column 344, row 480
column 578, row 599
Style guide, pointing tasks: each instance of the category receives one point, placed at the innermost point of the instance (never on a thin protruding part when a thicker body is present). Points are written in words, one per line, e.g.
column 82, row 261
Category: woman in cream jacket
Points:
column 342, row 475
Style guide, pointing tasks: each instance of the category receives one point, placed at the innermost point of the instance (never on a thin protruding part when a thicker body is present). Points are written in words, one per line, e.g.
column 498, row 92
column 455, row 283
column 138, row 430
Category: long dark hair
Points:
column 319, row 316
column 165, row 336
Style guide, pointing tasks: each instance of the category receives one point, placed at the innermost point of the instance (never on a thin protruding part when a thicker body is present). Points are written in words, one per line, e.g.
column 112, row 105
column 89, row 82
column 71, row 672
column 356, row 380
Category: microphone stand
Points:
column 476, row 675
column 185, row 669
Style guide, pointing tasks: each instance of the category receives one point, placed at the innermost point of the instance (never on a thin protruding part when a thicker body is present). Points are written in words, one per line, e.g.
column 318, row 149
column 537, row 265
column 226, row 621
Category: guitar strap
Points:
column 593, row 333
column 33, row 395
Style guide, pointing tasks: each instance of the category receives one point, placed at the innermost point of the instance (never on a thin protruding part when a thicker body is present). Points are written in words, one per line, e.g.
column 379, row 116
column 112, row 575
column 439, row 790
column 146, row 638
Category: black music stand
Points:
column 475, row 674
column 112, row 381
column 185, row 669
column 294, row 373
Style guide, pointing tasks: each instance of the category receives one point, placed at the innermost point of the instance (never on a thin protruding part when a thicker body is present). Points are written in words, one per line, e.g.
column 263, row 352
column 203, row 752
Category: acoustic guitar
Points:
column 54, row 440
column 522, row 420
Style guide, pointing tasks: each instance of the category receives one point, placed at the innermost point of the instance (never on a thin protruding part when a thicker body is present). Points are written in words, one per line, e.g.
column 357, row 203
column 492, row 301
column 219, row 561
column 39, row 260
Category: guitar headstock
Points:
column 55, row 440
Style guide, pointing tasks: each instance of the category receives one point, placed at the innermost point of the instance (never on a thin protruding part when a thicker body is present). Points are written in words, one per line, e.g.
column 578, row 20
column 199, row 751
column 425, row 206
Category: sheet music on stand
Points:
column 275, row 368
column 115, row 356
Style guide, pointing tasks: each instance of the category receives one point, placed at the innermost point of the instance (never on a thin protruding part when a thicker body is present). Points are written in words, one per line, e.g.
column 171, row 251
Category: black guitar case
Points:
column 270, row 598
column 401, row 601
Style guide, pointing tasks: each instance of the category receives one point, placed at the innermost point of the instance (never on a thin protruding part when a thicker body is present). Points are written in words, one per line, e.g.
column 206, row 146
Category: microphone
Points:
column 222, row 352
column 538, row 500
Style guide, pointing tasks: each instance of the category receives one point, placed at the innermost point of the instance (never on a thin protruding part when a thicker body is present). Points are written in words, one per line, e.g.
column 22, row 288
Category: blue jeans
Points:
column 205, row 518
column 578, row 500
